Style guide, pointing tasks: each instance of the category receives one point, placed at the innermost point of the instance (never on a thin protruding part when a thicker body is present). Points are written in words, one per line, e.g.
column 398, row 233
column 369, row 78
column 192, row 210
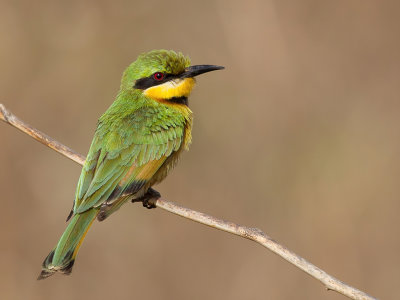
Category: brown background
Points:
column 299, row 136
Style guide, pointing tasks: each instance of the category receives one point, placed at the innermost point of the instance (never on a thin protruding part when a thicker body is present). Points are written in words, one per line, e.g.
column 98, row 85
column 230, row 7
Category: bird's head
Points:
column 163, row 75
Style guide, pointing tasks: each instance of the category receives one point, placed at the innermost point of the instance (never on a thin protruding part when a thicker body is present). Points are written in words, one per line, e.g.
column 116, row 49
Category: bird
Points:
column 137, row 142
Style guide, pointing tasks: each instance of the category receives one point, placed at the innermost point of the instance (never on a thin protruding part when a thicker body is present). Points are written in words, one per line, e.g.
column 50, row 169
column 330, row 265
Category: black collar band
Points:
column 179, row 100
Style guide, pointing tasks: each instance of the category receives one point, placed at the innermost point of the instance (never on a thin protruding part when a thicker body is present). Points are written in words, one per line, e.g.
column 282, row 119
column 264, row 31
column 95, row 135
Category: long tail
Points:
column 62, row 258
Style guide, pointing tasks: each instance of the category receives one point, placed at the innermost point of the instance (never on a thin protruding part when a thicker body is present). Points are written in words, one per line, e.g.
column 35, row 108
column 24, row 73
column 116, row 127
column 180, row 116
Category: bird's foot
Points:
column 149, row 198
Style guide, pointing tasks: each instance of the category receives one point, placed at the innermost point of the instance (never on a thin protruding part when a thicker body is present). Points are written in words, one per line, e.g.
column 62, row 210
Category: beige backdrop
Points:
column 299, row 136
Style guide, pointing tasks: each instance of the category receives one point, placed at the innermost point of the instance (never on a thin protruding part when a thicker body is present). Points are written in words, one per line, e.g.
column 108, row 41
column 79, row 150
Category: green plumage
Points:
column 146, row 130
column 137, row 141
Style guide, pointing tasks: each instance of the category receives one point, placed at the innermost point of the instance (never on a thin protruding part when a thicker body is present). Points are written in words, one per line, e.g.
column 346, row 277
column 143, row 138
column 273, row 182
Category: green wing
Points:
column 125, row 153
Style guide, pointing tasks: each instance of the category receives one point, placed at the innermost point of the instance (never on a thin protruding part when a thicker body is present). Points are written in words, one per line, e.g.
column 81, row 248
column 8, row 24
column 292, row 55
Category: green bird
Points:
column 137, row 142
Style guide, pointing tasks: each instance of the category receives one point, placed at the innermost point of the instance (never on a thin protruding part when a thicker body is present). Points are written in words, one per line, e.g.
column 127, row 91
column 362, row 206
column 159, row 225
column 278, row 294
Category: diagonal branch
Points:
column 254, row 234
column 41, row 137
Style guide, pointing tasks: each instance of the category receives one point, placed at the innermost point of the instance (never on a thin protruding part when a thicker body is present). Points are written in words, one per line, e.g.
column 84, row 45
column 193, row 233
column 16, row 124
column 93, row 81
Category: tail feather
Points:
column 62, row 257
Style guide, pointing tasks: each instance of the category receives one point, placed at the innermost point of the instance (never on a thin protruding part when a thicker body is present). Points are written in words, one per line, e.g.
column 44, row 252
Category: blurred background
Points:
column 299, row 136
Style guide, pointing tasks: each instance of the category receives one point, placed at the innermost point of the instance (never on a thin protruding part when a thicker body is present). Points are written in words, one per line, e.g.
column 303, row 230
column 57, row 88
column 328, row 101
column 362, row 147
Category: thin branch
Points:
column 254, row 234
column 41, row 137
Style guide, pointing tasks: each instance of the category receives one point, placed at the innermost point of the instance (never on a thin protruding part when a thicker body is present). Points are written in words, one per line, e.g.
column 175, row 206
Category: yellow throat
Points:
column 171, row 89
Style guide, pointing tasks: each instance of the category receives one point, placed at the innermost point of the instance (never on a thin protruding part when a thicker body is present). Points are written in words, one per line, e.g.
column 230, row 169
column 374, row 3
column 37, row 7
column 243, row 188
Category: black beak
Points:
column 193, row 71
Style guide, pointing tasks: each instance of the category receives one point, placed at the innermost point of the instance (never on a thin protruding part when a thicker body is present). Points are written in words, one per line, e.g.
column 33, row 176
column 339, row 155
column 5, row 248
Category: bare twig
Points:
column 254, row 234
column 41, row 137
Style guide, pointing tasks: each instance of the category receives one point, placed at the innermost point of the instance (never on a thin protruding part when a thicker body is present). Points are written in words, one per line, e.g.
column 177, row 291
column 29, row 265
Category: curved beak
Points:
column 193, row 71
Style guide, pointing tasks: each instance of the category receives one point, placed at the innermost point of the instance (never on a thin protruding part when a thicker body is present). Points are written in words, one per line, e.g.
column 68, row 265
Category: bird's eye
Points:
column 158, row 76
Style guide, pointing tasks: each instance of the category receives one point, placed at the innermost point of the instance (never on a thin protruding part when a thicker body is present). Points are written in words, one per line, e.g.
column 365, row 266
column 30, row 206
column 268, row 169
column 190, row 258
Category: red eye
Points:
column 158, row 76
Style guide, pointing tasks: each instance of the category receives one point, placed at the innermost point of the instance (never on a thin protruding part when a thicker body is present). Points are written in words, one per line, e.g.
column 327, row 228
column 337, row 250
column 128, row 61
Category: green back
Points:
column 134, row 131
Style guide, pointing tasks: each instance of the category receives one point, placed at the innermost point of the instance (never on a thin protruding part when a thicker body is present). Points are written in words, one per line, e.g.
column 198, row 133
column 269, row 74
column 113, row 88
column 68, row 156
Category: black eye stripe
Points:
column 146, row 82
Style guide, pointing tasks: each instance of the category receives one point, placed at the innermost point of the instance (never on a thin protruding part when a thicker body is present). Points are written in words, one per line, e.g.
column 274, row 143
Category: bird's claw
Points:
column 149, row 198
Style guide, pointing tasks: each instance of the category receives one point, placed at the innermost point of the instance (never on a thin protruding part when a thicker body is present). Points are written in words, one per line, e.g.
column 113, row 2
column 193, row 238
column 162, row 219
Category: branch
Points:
column 41, row 137
column 254, row 234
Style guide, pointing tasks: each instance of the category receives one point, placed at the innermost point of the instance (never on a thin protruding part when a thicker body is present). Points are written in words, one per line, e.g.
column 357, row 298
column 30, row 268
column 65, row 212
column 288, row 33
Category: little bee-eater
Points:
column 137, row 142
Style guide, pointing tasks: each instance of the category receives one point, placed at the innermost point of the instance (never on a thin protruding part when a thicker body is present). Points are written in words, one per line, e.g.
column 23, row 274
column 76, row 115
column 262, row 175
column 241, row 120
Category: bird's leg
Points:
column 149, row 198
